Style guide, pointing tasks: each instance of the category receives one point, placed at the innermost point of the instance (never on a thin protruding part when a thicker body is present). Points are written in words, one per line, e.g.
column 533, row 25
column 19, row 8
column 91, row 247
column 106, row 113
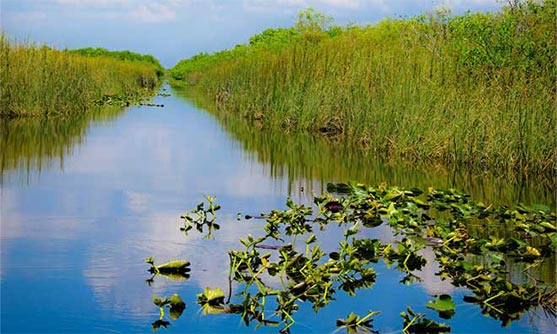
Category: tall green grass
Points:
column 39, row 80
column 476, row 90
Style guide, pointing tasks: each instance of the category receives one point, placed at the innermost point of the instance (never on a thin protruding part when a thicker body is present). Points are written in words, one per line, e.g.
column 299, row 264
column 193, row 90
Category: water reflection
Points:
column 28, row 145
column 312, row 161
column 110, row 193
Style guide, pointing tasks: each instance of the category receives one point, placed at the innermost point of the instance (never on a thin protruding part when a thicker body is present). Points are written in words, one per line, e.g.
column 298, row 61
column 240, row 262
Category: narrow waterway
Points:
column 81, row 210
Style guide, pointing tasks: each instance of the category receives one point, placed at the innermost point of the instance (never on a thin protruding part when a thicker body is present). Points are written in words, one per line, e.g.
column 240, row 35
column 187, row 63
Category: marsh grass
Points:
column 475, row 90
column 310, row 160
column 39, row 80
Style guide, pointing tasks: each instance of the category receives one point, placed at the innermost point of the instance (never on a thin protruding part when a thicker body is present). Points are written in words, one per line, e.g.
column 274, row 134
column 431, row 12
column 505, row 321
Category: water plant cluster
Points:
column 476, row 89
column 39, row 80
column 446, row 221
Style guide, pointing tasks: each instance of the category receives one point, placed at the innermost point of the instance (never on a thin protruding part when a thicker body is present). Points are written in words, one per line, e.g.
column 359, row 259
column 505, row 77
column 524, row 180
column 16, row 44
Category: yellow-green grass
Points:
column 39, row 80
column 476, row 90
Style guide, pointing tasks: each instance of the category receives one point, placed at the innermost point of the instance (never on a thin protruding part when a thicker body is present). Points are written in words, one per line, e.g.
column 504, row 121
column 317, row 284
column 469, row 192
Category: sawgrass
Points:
column 476, row 90
column 39, row 80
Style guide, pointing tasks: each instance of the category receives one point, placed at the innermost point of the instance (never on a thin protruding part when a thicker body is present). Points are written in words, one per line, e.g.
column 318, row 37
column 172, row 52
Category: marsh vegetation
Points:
column 42, row 81
column 475, row 90
column 405, row 100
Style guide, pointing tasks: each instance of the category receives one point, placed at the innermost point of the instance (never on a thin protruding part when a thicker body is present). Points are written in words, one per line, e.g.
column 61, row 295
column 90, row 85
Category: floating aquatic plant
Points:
column 354, row 324
column 443, row 220
column 175, row 305
column 175, row 269
column 418, row 323
column 444, row 304
column 202, row 217
column 211, row 300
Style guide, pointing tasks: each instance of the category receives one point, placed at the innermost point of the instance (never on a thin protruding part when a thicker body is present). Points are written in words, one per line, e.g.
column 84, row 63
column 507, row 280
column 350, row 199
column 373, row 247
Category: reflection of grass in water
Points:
column 32, row 143
column 313, row 160
column 518, row 271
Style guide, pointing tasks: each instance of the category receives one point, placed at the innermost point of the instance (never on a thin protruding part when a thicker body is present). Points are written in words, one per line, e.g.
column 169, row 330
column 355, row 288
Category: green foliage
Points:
column 309, row 20
column 444, row 304
column 441, row 219
column 175, row 270
column 311, row 26
column 354, row 324
column 211, row 301
column 202, row 217
column 175, row 305
column 274, row 39
column 418, row 323
column 475, row 89
column 125, row 55
column 45, row 81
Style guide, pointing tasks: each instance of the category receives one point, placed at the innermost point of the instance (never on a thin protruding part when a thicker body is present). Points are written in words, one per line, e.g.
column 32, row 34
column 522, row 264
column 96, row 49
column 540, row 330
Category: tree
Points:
column 310, row 20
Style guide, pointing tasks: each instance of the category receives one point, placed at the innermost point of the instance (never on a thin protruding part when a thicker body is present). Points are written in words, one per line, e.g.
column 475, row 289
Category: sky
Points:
column 172, row 30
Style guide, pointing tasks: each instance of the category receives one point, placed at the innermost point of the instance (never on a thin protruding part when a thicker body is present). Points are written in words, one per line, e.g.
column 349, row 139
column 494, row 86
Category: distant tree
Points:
column 309, row 20
column 313, row 25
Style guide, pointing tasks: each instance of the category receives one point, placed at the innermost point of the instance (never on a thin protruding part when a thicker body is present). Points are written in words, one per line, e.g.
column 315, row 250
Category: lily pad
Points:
column 444, row 304
column 177, row 306
column 172, row 268
column 211, row 296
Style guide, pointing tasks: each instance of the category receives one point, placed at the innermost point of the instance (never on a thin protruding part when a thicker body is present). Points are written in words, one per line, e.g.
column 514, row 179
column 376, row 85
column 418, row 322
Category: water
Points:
column 82, row 209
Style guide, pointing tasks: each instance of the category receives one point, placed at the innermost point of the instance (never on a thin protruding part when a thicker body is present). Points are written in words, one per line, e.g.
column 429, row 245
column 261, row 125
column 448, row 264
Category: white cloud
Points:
column 153, row 12
column 331, row 7
column 139, row 10
column 461, row 4
column 352, row 4
column 99, row 3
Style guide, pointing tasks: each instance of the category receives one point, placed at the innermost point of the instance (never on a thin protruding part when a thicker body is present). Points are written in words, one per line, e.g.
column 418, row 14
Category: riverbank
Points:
column 42, row 81
column 475, row 90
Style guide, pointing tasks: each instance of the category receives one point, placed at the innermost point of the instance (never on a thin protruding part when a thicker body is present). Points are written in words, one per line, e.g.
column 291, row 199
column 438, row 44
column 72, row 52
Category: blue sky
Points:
column 174, row 29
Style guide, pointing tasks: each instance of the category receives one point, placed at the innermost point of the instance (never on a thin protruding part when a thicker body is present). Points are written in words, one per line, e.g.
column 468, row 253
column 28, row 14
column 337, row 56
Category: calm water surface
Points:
column 80, row 212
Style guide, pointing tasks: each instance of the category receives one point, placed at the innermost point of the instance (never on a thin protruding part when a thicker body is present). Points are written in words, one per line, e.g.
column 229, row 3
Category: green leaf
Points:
column 160, row 302
column 444, row 304
column 177, row 306
column 175, row 266
column 211, row 296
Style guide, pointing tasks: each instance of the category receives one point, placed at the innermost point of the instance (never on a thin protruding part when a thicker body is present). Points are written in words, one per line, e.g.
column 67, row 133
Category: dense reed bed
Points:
column 39, row 80
column 476, row 90
column 308, row 161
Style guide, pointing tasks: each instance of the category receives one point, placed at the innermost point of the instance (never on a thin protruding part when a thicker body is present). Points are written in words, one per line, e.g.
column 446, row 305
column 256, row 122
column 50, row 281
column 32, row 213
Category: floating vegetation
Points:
column 354, row 324
column 151, row 105
column 202, row 217
column 418, row 323
column 444, row 304
column 446, row 221
column 115, row 100
column 211, row 300
column 125, row 100
column 175, row 305
column 175, row 269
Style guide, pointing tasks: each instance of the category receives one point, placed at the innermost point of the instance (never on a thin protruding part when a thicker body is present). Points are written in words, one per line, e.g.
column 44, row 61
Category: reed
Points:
column 475, row 90
column 39, row 80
